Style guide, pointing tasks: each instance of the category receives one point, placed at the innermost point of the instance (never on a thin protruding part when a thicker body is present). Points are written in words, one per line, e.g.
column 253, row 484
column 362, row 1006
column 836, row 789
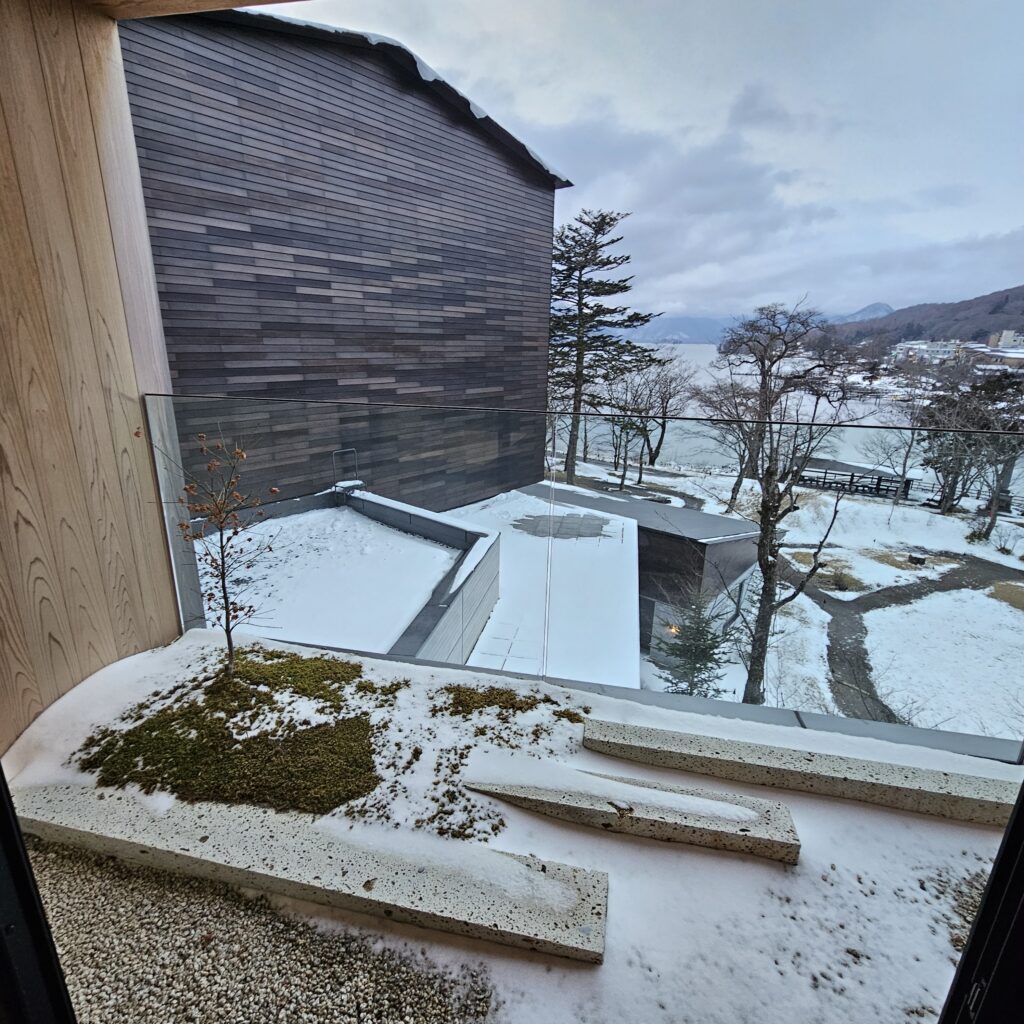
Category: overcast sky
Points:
column 854, row 150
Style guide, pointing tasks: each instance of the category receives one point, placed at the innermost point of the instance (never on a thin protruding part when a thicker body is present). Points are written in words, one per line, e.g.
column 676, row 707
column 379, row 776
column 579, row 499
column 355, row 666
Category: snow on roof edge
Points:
column 424, row 70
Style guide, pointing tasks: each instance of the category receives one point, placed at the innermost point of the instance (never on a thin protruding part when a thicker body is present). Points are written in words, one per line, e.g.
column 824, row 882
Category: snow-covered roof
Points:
column 864, row 468
column 404, row 58
column 703, row 527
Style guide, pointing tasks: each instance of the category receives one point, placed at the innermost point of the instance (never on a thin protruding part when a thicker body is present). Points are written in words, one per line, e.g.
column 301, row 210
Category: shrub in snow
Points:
column 696, row 647
column 219, row 524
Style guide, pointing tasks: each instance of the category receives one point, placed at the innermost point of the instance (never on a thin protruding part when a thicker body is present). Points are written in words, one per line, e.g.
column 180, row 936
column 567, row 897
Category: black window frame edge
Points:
column 32, row 984
column 988, row 987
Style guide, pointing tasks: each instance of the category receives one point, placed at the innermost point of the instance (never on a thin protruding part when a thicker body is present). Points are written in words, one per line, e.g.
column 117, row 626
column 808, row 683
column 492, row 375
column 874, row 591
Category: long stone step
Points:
column 680, row 814
column 405, row 876
column 924, row 790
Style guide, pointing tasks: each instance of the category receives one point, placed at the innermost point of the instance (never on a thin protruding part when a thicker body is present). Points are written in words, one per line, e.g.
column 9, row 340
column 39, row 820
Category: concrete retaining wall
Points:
column 448, row 626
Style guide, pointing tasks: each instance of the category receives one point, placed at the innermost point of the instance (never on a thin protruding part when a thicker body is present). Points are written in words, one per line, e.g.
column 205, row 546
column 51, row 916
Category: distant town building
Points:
column 990, row 357
column 925, row 350
column 1006, row 339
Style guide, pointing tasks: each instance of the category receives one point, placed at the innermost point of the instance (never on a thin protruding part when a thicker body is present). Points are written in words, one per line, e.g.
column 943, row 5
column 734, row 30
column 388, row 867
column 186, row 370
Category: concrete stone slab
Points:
column 617, row 803
column 405, row 876
column 924, row 790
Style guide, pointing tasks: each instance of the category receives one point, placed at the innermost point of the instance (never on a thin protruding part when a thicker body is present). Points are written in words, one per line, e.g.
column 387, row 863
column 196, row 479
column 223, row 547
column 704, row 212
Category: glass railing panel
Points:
column 369, row 528
column 458, row 536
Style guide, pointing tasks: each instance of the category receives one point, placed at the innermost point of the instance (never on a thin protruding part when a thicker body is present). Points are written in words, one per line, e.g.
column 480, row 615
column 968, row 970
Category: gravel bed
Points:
column 147, row 947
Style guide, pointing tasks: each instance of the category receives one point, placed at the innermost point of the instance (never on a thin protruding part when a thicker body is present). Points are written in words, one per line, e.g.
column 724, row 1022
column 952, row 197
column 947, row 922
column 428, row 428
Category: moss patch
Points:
column 569, row 715
column 188, row 745
column 833, row 575
column 1009, row 593
column 467, row 700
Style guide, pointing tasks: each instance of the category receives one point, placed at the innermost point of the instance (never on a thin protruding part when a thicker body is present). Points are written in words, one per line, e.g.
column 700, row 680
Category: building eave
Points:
column 403, row 58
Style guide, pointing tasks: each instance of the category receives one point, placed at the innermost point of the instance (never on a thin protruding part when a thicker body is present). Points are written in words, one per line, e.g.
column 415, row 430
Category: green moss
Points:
column 467, row 700
column 187, row 745
column 320, row 678
column 386, row 692
column 569, row 715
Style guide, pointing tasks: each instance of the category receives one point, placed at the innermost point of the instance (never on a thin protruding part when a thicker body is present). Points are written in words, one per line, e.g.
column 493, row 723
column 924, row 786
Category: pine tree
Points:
column 697, row 647
column 585, row 349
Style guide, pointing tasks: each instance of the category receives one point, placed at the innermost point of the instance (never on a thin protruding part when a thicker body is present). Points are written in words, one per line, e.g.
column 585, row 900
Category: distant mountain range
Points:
column 872, row 312
column 707, row 330
column 970, row 319
column 682, row 330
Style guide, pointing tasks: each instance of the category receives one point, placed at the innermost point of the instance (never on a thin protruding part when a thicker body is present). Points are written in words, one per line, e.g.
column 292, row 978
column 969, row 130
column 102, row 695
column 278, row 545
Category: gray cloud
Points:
column 756, row 108
column 855, row 152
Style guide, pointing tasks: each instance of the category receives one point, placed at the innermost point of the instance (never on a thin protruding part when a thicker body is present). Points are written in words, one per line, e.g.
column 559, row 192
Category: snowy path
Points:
column 851, row 676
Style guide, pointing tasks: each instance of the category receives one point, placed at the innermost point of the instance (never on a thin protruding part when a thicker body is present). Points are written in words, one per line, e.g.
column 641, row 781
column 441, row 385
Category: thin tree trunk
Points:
column 228, row 624
column 753, row 692
column 578, row 385
column 574, row 435
column 616, row 446
column 734, row 494
column 904, row 470
column 625, row 464
column 586, row 438
column 1000, row 482
column 654, row 452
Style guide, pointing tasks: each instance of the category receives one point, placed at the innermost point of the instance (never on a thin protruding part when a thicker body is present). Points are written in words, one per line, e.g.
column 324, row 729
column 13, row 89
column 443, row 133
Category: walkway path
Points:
column 850, row 672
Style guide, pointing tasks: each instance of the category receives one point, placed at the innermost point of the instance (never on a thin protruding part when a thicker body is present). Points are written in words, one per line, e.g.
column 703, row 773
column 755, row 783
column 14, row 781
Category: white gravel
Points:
column 147, row 947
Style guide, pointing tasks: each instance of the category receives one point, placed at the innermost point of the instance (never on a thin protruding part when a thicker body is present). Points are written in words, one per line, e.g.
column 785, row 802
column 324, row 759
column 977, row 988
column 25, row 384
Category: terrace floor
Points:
column 864, row 928
column 568, row 605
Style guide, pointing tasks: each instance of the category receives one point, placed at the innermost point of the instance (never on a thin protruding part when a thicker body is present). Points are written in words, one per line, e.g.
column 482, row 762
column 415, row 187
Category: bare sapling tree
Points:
column 799, row 396
column 669, row 385
column 628, row 401
column 949, row 446
column 220, row 524
column 586, row 347
column 1001, row 401
column 895, row 445
column 730, row 408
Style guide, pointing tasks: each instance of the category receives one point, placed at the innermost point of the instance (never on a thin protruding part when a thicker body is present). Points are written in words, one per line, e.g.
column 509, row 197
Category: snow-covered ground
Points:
column 336, row 577
column 946, row 661
column 952, row 661
column 857, row 932
column 568, row 606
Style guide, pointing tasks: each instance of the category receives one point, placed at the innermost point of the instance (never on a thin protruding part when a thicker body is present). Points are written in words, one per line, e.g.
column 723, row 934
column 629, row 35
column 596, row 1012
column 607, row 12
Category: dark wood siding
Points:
column 323, row 227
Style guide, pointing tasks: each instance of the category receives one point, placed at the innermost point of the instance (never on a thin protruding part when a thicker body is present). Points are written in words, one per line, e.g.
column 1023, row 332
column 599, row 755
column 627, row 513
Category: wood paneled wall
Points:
column 323, row 226
column 84, row 573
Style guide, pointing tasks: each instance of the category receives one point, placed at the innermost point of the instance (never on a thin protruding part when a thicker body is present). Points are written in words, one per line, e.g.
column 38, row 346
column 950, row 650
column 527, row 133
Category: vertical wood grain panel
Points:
column 70, row 481
column 69, row 367
column 68, row 94
column 115, row 144
column 84, row 578
column 27, row 551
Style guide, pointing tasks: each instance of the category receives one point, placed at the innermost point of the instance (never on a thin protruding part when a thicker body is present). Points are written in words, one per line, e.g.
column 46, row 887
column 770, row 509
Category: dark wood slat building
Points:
column 332, row 221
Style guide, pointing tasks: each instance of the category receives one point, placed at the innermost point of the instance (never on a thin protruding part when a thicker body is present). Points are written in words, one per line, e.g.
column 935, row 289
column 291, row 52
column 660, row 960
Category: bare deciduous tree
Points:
column 895, row 445
column 669, row 385
column 795, row 398
column 729, row 407
column 220, row 518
